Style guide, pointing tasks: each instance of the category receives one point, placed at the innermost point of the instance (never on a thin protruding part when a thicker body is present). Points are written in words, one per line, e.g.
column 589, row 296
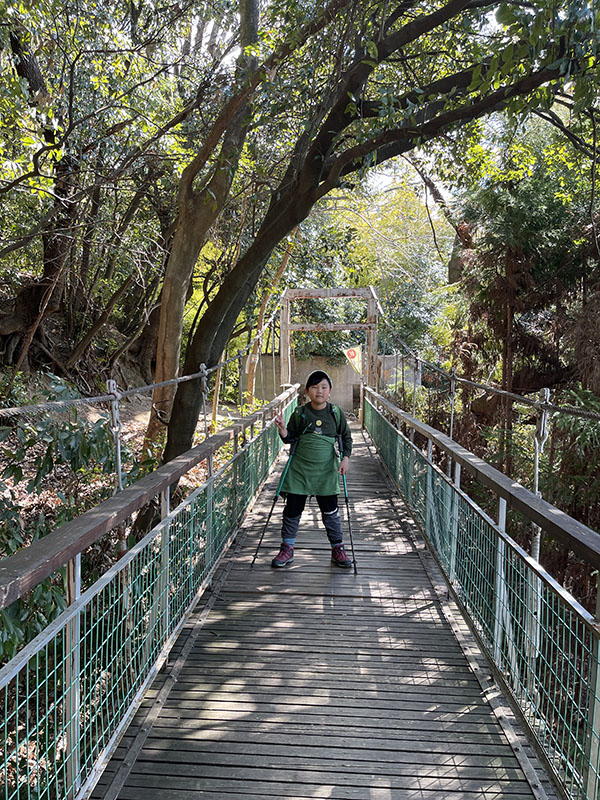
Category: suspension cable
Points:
column 538, row 404
column 61, row 405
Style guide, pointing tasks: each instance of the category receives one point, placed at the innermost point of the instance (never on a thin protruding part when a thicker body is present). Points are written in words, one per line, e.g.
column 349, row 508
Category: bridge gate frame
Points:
column 369, row 364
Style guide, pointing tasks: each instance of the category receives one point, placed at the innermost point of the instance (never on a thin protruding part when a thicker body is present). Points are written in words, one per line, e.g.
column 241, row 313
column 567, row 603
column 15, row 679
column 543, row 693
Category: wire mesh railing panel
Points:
column 69, row 693
column 471, row 550
column 66, row 693
column 545, row 646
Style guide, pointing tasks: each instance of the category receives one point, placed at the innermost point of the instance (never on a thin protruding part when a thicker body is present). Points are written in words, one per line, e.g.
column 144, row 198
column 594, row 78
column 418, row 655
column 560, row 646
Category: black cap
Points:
column 316, row 377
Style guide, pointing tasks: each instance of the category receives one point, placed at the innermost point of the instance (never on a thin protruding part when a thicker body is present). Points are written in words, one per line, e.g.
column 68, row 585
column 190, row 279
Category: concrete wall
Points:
column 346, row 382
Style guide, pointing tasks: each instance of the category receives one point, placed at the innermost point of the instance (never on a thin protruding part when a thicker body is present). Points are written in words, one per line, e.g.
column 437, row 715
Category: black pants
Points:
column 294, row 506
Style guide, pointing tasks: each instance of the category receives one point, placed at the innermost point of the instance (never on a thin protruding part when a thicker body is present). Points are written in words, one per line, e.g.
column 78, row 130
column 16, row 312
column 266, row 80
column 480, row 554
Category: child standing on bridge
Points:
column 314, row 467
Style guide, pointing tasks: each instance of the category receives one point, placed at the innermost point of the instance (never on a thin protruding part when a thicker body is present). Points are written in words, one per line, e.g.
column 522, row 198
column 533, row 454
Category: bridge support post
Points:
column 429, row 491
column 373, row 372
column 165, row 557
column 502, row 622
column 534, row 589
column 210, row 512
column 455, row 504
column 500, row 585
column 159, row 617
column 73, row 681
column 592, row 738
column 116, row 427
column 285, row 366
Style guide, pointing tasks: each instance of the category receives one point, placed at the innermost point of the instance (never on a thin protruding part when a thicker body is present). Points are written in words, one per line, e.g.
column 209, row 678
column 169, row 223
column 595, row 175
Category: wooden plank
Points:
column 321, row 686
column 166, row 778
column 330, row 291
column 340, row 702
column 448, row 738
column 453, row 751
column 231, row 677
column 383, row 637
column 330, row 326
column 336, row 718
column 325, row 759
column 235, row 791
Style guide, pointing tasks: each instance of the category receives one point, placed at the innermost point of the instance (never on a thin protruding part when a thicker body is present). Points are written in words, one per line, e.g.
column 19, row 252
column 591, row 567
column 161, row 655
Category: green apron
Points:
column 313, row 469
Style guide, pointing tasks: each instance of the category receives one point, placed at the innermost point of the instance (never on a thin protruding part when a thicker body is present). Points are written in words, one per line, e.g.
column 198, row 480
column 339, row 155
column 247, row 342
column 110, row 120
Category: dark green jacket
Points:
column 305, row 419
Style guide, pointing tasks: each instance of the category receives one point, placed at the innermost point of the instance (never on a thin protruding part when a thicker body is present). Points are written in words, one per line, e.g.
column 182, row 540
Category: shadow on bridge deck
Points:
column 311, row 682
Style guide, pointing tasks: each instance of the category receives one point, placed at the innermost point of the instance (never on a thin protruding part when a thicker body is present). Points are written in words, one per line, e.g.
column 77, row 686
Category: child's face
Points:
column 319, row 394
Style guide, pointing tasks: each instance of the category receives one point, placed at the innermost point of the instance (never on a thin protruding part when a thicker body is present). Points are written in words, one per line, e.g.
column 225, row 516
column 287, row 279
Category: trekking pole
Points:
column 349, row 523
column 277, row 493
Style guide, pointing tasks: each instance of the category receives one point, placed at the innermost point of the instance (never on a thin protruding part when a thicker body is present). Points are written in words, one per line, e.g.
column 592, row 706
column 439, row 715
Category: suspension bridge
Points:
column 451, row 665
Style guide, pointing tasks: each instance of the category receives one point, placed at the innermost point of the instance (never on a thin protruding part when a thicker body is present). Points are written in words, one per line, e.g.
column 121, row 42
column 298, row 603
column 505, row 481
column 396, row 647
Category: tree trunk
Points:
column 144, row 347
column 285, row 213
column 80, row 295
column 315, row 167
column 84, row 344
column 197, row 213
column 261, row 316
column 186, row 247
column 56, row 237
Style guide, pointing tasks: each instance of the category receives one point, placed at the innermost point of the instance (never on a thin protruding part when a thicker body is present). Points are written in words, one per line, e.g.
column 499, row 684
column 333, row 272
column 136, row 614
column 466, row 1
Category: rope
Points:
column 517, row 398
column 54, row 405
column 62, row 405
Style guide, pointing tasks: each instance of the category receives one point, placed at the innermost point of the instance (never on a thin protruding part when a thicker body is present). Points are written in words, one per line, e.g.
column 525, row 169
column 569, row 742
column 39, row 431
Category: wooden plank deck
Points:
column 311, row 682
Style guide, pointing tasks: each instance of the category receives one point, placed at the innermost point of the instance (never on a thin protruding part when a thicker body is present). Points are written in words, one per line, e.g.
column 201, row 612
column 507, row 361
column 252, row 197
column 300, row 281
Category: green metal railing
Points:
column 544, row 645
column 68, row 696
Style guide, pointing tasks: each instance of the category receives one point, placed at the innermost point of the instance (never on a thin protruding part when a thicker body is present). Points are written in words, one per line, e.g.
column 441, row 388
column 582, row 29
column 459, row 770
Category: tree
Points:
column 530, row 257
column 395, row 78
column 94, row 105
column 200, row 205
column 150, row 135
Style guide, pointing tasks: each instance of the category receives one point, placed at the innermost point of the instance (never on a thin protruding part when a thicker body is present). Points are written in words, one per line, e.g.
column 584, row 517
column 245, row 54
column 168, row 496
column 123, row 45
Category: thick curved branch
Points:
column 358, row 73
column 231, row 108
column 403, row 138
column 26, row 66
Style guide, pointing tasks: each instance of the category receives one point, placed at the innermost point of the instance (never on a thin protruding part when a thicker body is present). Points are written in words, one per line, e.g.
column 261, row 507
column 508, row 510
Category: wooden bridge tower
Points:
column 369, row 364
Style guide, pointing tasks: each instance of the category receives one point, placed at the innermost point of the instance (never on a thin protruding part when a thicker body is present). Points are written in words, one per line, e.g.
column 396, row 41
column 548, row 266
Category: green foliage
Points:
column 25, row 618
column 575, row 484
column 526, row 217
column 386, row 236
column 38, row 455
column 115, row 127
column 54, row 440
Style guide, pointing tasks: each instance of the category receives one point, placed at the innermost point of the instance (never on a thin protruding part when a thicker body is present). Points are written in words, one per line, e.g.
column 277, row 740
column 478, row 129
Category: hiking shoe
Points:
column 339, row 557
column 285, row 556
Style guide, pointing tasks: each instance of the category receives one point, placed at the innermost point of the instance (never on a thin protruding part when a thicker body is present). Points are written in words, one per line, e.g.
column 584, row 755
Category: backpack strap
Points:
column 335, row 412
column 301, row 418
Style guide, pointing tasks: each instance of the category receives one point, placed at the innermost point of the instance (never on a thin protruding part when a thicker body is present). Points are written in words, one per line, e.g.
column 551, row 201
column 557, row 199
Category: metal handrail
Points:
column 583, row 541
column 543, row 646
column 22, row 571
